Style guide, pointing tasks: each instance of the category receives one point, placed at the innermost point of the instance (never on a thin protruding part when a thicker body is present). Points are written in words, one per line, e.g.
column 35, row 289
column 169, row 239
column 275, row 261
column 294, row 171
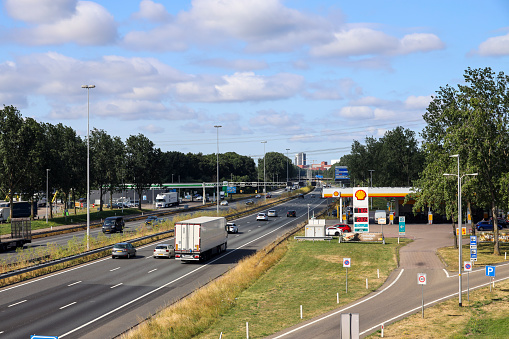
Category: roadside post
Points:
column 490, row 272
column 421, row 280
column 467, row 267
column 473, row 248
column 346, row 264
column 349, row 325
column 402, row 227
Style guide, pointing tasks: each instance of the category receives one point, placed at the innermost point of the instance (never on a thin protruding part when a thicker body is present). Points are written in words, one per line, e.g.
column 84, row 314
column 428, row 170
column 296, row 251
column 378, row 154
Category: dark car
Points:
column 152, row 220
column 268, row 195
column 502, row 222
column 301, row 195
column 485, row 226
column 123, row 250
column 113, row 224
column 249, row 202
column 291, row 213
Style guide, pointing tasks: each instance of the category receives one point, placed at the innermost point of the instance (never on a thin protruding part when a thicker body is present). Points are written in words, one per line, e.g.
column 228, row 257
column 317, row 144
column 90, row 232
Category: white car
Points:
column 164, row 251
column 332, row 230
column 224, row 203
column 272, row 213
column 262, row 217
column 231, row 227
column 258, row 196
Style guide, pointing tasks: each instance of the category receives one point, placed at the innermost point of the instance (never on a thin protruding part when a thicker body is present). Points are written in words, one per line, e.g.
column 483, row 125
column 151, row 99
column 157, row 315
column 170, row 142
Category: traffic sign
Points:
column 421, row 278
column 490, row 271
column 473, row 240
column 346, row 262
column 473, row 254
column 467, row 266
column 402, row 225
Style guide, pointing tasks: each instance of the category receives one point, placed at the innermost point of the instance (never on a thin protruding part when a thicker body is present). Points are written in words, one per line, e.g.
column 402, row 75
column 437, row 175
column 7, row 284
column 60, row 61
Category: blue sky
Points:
column 311, row 76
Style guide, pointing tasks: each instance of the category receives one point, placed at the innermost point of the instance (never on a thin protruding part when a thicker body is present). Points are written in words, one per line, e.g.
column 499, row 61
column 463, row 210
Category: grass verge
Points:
column 297, row 273
column 484, row 316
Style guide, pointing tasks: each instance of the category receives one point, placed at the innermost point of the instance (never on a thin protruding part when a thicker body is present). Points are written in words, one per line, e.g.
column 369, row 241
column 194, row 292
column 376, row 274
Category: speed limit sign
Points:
column 421, row 278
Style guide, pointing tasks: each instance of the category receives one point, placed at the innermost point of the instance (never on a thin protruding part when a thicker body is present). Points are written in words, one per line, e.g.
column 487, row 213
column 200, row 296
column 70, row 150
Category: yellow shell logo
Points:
column 360, row 195
column 336, row 193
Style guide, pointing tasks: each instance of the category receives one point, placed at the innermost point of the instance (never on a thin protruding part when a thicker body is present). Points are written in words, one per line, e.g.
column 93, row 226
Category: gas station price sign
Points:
column 360, row 210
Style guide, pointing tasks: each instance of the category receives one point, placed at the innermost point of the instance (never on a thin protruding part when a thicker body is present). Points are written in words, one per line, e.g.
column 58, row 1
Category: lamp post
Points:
column 172, row 178
column 217, row 165
column 287, row 166
column 47, row 194
column 459, row 221
column 88, row 87
column 264, row 188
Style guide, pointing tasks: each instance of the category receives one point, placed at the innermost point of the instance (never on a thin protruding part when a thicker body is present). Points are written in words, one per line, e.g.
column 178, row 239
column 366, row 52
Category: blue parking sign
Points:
column 473, row 240
column 490, row 271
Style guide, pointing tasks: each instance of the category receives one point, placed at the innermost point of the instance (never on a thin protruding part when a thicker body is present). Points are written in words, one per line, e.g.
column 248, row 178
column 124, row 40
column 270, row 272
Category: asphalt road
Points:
column 104, row 298
column 401, row 295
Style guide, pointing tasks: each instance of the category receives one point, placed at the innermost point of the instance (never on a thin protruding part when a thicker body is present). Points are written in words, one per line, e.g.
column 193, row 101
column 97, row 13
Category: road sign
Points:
column 473, row 240
column 467, row 266
column 231, row 189
column 346, row 262
column 421, row 278
column 402, row 225
column 473, row 254
column 490, row 271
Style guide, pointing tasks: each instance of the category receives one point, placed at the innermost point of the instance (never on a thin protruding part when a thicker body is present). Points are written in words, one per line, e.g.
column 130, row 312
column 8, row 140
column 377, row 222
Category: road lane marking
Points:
column 446, row 273
column 342, row 309
column 155, row 269
column 20, row 302
column 117, row 285
column 77, row 282
column 114, row 269
column 67, row 305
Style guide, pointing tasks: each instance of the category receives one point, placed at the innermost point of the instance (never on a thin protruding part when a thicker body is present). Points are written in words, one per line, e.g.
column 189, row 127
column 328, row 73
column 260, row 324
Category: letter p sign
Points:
column 490, row 271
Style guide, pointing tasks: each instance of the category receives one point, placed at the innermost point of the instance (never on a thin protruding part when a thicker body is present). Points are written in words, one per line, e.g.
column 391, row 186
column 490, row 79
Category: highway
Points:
column 104, row 298
column 401, row 295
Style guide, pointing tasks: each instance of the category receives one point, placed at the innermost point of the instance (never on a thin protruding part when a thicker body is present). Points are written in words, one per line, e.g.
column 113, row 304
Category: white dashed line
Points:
column 20, row 302
column 152, row 270
column 77, row 282
column 67, row 305
column 116, row 285
column 114, row 269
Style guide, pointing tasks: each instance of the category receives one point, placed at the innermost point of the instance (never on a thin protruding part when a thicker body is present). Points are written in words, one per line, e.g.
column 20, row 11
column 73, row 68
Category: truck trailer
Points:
column 200, row 238
column 21, row 234
column 167, row 199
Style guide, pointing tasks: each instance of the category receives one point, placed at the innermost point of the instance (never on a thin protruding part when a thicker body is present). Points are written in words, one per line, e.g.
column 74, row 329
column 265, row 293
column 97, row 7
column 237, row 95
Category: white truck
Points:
column 200, row 238
column 167, row 199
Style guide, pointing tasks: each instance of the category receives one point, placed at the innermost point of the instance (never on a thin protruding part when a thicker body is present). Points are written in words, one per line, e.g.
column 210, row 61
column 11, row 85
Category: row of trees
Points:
column 393, row 160
column 33, row 153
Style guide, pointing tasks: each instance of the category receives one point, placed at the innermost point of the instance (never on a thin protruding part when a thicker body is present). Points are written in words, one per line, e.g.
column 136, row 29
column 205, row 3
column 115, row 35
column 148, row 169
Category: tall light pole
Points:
column 217, row 165
column 264, row 188
column 88, row 87
column 371, row 184
column 47, row 194
column 287, row 166
column 459, row 221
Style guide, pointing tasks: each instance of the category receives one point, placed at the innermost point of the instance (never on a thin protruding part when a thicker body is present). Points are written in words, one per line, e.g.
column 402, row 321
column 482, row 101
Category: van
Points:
column 113, row 224
column 380, row 214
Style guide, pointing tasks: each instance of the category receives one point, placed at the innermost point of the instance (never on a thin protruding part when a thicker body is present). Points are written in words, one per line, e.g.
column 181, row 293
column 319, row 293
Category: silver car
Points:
column 262, row 217
column 272, row 213
column 164, row 251
column 231, row 227
column 123, row 250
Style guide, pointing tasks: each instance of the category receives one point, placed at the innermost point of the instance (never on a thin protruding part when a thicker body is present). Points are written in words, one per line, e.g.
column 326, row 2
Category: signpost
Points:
column 473, row 248
column 346, row 263
column 421, row 280
column 490, row 272
column 467, row 267
column 402, row 227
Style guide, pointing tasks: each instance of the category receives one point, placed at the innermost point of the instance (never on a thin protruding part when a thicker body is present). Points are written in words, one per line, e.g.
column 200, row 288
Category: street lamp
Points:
column 47, row 196
column 371, row 184
column 217, row 165
column 88, row 87
column 459, row 220
column 287, row 166
column 264, row 188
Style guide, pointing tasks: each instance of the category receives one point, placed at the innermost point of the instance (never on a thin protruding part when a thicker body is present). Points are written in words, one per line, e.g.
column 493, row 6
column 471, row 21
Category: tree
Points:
column 472, row 121
column 142, row 162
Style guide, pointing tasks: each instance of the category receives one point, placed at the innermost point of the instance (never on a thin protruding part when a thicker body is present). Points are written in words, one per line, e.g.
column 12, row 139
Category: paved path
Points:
column 400, row 295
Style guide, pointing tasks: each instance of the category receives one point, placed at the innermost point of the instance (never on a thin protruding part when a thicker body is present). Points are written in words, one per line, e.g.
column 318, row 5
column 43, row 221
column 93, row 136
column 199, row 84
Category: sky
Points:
column 308, row 76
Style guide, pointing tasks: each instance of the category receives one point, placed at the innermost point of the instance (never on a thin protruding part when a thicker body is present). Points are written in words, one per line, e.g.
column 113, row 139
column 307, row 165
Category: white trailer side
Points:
column 199, row 238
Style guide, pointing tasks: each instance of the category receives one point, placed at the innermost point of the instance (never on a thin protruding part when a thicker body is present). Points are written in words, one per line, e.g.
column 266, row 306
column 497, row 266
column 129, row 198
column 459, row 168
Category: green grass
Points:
column 310, row 274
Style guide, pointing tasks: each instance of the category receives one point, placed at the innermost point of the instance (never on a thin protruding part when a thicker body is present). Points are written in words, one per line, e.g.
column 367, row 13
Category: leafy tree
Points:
column 472, row 121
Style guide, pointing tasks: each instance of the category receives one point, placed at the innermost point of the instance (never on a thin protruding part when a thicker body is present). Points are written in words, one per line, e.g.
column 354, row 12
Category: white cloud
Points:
column 40, row 11
column 238, row 64
column 495, row 46
column 152, row 11
column 88, row 24
column 364, row 41
column 418, row 102
column 152, row 129
column 356, row 112
column 241, row 86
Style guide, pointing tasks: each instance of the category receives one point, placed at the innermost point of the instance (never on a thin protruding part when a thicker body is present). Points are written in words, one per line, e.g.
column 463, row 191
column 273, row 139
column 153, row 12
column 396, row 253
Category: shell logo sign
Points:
column 336, row 193
column 360, row 195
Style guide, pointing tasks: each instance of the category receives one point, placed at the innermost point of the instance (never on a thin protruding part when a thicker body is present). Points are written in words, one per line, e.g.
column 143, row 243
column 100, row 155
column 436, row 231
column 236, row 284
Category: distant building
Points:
column 300, row 159
column 321, row 166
